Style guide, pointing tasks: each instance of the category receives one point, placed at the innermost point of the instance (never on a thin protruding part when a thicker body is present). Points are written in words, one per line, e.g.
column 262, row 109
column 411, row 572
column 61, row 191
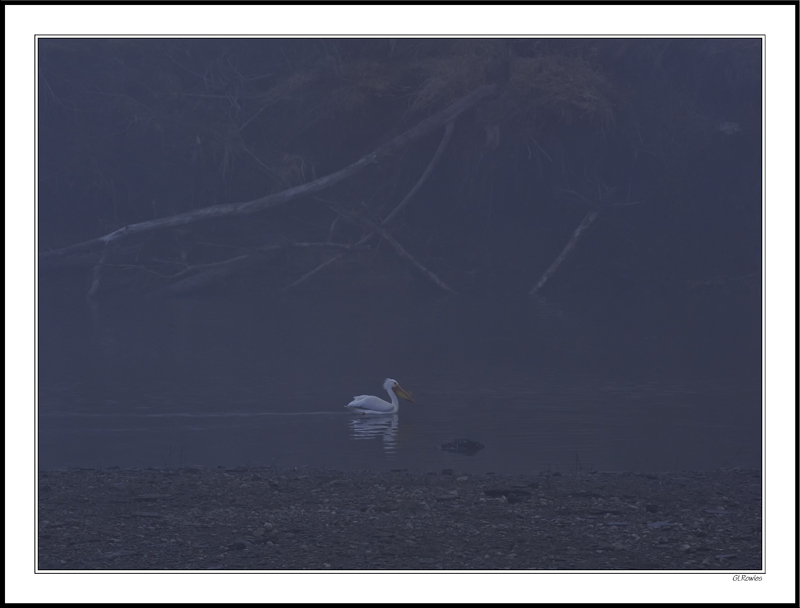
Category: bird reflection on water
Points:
column 374, row 427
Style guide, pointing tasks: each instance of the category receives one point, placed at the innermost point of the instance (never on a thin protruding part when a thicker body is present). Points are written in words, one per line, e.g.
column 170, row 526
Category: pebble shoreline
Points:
column 311, row 519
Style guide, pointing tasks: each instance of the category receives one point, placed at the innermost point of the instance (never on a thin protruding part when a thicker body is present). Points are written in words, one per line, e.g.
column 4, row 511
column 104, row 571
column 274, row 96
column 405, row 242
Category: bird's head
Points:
column 392, row 385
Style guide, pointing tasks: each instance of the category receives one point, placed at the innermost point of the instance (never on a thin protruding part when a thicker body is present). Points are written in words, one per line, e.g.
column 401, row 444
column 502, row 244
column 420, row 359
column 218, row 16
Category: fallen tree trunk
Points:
column 279, row 198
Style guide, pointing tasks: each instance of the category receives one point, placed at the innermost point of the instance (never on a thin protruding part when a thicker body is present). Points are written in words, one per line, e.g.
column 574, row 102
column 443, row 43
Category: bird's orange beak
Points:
column 403, row 394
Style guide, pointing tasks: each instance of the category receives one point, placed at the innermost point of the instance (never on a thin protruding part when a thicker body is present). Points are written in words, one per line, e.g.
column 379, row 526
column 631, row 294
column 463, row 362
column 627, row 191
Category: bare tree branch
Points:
column 397, row 246
column 587, row 221
column 423, row 178
column 202, row 275
column 448, row 133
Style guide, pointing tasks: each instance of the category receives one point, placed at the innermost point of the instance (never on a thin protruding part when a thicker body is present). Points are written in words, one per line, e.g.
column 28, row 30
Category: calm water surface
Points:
column 642, row 385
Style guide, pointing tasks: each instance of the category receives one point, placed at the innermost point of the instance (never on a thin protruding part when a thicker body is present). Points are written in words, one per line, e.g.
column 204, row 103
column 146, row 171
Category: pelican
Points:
column 367, row 404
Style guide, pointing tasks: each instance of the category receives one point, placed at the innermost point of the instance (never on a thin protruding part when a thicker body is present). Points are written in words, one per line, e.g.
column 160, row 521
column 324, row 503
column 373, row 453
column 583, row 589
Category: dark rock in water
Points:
column 463, row 446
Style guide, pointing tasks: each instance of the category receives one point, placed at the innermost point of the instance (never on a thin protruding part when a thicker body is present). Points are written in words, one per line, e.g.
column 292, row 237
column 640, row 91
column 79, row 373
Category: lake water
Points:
column 643, row 384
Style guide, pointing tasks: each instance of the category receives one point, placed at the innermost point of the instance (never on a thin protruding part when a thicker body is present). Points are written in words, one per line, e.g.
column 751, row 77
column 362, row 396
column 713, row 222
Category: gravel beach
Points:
column 310, row 519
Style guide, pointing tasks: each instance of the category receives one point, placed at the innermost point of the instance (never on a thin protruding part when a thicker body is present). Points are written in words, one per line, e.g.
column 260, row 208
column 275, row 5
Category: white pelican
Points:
column 367, row 404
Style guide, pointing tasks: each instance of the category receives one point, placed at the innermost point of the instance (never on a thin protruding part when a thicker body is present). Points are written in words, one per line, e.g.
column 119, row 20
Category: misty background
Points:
column 233, row 340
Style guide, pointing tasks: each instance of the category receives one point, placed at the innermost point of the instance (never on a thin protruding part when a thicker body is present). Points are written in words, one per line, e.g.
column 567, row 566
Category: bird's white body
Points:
column 369, row 404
